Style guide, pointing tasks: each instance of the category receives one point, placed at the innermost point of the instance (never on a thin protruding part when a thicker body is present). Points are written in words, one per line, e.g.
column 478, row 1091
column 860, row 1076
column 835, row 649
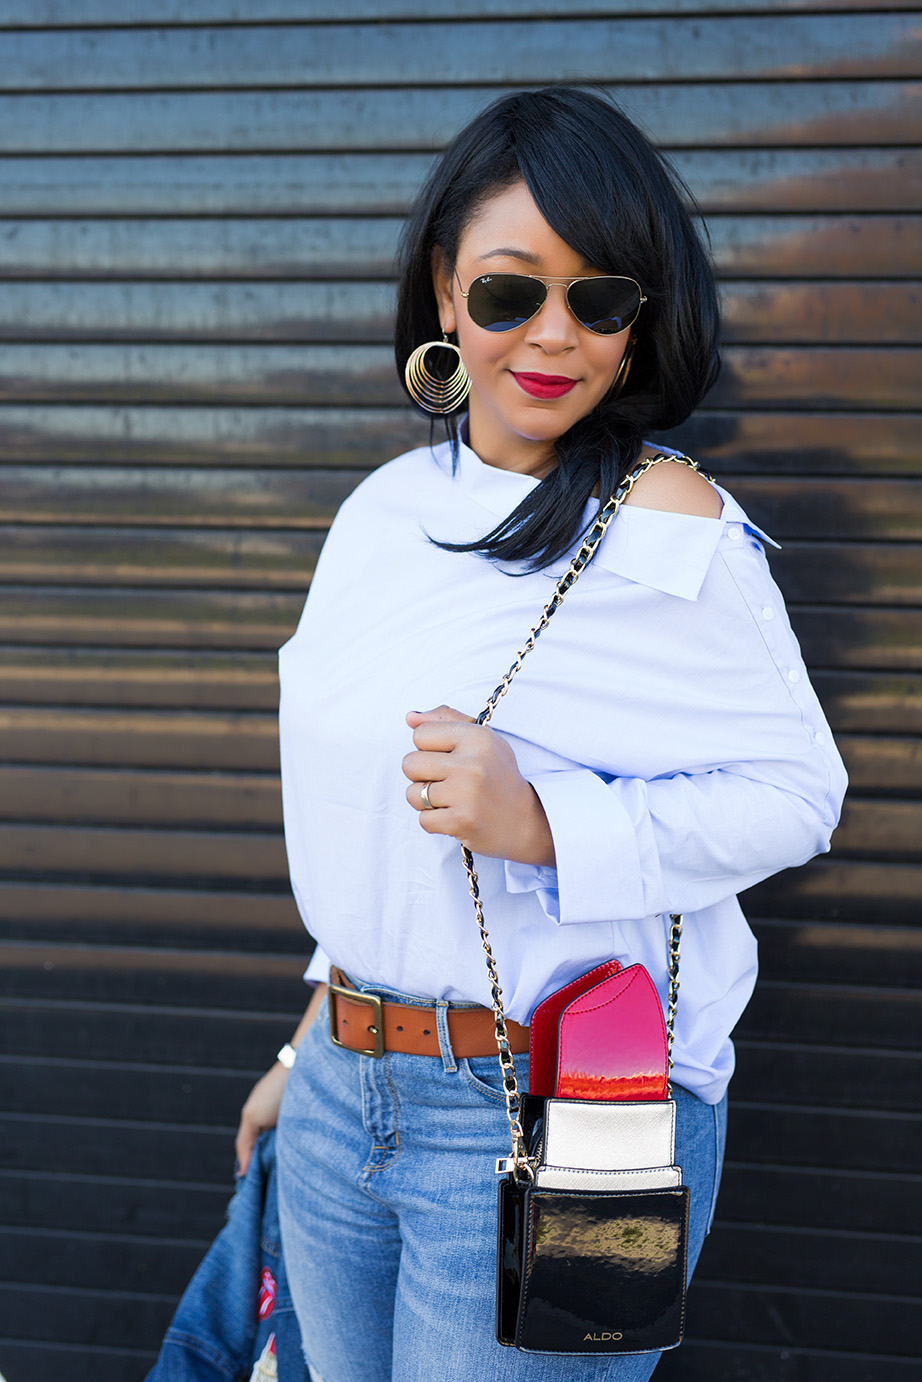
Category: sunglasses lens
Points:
column 605, row 305
column 501, row 302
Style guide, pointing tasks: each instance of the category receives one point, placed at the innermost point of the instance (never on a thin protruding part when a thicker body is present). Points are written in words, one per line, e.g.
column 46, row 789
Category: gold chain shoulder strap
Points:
column 520, row 1164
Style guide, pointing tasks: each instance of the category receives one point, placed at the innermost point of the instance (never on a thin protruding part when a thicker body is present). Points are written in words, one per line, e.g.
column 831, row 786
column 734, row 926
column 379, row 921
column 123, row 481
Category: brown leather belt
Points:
column 368, row 1025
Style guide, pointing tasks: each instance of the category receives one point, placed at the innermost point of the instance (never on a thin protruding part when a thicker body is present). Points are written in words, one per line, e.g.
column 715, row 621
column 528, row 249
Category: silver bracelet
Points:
column 287, row 1055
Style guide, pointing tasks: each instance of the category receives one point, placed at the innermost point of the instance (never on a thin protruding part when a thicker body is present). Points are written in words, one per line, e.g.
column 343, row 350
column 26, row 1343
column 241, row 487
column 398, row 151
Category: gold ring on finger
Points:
column 427, row 804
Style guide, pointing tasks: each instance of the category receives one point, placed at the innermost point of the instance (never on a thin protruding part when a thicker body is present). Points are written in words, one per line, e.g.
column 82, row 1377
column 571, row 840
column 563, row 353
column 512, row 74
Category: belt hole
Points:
column 400, row 1029
column 426, row 1032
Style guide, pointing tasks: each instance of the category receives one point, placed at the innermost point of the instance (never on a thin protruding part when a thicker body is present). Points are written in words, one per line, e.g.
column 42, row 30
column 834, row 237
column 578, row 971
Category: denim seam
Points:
column 716, row 1180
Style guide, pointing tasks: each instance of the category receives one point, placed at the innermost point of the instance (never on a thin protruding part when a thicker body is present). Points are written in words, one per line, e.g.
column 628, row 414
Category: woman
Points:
column 660, row 751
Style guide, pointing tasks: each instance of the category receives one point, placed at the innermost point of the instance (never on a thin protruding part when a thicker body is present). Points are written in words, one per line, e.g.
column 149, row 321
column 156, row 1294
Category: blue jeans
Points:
column 387, row 1197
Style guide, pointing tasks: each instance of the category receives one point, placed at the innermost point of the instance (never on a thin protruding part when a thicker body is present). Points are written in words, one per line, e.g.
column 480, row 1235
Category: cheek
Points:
column 481, row 351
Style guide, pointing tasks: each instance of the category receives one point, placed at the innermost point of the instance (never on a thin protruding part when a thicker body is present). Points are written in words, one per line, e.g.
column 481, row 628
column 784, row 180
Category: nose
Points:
column 554, row 328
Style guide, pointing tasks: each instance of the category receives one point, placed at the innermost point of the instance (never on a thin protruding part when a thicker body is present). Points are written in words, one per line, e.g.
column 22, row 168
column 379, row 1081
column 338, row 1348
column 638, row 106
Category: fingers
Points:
column 425, row 767
column 244, row 1143
column 441, row 712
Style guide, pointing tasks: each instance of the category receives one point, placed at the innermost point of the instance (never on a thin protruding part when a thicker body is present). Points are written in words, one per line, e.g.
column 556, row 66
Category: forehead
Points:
column 508, row 227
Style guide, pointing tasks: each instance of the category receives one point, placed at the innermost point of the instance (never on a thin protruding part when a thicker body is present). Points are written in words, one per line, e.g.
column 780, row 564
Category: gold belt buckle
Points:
column 335, row 992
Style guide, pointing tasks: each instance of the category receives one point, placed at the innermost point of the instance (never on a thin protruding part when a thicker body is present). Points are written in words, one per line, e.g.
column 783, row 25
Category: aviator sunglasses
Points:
column 604, row 305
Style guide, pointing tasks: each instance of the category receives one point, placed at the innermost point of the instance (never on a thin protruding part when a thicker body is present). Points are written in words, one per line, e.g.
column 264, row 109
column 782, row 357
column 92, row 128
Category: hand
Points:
column 259, row 1113
column 478, row 793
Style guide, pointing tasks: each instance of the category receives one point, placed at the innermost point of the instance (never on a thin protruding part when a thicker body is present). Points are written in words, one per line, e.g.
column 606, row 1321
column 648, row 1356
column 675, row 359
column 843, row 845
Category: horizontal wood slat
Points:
column 140, row 855
column 385, row 54
column 271, row 314
column 882, row 763
column 203, row 979
column 29, row 14
column 788, row 1316
column 141, row 1093
column 848, row 1138
column 831, row 572
column 819, row 377
column 83, row 1203
column 324, row 247
column 121, row 797
column 839, row 953
column 874, row 638
column 854, row 180
column 791, row 508
column 815, row 1259
column 128, row 738
column 885, row 892
column 113, row 913
column 277, row 559
column 187, row 680
column 425, row 118
column 175, row 1037
column 144, row 497
column 175, row 618
column 294, row 437
column 861, row 1016
column 74, row 1308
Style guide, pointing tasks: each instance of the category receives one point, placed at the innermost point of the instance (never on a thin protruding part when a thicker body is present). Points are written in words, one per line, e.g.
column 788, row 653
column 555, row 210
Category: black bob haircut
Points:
column 606, row 191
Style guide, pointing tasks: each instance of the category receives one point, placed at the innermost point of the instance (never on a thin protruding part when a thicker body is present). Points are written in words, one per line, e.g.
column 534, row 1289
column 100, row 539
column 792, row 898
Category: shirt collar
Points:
column 665, row 551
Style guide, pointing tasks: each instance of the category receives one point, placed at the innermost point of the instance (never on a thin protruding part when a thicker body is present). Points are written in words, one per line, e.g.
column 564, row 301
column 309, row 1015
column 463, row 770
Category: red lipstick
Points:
column 544, row 385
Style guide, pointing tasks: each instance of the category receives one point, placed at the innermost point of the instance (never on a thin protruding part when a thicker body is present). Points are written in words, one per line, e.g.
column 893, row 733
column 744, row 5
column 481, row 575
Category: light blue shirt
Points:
column 665, row 719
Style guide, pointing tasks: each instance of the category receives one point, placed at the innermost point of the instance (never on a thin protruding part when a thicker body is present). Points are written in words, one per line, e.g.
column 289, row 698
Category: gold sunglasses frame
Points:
column 549, row 283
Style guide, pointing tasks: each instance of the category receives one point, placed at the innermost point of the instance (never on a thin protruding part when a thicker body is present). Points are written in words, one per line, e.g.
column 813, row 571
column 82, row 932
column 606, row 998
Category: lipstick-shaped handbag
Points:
column 593, row 1217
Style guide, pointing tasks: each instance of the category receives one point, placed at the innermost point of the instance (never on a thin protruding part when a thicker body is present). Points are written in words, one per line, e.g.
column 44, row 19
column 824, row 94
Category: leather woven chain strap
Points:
column 522, row 1167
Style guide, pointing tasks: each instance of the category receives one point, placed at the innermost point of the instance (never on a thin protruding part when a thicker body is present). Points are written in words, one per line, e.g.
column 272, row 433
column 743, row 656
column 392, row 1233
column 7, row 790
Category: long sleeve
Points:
column 759, row 783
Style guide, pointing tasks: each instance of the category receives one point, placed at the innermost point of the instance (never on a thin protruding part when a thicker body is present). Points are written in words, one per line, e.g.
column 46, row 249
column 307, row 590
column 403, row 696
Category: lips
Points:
column 544, row 385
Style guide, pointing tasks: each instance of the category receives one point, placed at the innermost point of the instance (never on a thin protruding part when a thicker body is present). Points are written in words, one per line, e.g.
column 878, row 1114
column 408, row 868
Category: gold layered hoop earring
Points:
column 431, row 393
column 624, row 369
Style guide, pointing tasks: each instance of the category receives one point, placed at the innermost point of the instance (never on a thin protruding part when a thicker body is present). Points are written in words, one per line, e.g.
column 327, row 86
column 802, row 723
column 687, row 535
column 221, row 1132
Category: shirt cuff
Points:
column 318, row 971
column 598, row 874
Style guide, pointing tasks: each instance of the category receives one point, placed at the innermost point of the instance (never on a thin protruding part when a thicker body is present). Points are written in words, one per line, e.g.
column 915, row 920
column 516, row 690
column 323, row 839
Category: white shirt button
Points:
column 793, row 675
column 734, row 532
column 819, row 737
column 767, row 612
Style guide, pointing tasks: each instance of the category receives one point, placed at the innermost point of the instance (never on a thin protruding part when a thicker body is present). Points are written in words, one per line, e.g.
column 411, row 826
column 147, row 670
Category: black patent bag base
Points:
column 591, row 1271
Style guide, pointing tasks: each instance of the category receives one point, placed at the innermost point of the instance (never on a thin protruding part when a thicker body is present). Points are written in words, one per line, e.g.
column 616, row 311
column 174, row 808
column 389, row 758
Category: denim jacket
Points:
column 239, row 1296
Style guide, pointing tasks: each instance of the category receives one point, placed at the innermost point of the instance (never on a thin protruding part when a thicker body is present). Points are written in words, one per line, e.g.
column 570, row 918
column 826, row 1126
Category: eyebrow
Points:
column 511, row 252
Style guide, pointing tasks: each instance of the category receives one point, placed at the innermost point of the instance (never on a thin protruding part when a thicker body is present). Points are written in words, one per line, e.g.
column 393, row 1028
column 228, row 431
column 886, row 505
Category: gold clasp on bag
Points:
column 376, row 1026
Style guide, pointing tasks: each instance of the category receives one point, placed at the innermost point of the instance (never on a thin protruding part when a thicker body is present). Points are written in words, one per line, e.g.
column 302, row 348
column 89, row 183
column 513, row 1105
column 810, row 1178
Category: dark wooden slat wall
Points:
column 200, row 205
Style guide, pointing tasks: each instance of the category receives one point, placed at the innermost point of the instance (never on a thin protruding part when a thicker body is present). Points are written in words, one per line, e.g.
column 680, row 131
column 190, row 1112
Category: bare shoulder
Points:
column 675, row 488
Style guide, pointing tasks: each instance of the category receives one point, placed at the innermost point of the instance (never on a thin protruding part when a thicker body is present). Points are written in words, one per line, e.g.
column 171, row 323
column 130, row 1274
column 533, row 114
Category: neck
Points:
column 520, row 454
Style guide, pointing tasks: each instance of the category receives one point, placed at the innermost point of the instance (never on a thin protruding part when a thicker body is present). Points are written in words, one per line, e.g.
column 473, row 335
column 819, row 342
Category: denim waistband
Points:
column 413, row 1000
column 442, row 1008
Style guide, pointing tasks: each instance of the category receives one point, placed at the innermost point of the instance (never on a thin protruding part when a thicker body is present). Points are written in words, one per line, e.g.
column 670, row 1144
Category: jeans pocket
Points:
column 485, row 1077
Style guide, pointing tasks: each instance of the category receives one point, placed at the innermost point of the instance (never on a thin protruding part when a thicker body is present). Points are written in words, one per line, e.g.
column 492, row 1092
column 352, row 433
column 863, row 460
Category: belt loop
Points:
column 441, row 1026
